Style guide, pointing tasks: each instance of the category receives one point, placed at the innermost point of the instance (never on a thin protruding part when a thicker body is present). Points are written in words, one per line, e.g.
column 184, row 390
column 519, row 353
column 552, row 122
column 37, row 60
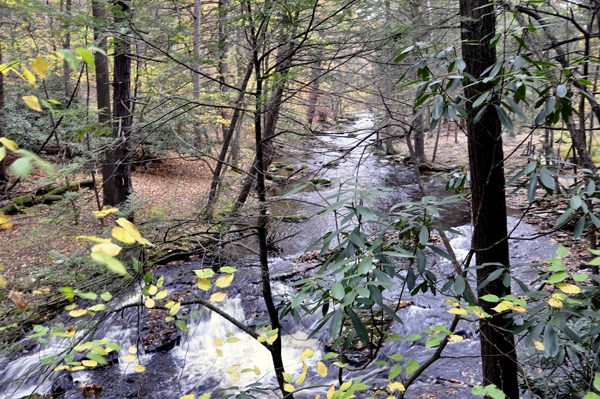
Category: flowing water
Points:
column 186, row 362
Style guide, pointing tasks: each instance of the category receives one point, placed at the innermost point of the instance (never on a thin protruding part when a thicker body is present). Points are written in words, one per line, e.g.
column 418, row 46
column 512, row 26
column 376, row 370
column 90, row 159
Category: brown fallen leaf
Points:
column 93, row 389
column 17, row 299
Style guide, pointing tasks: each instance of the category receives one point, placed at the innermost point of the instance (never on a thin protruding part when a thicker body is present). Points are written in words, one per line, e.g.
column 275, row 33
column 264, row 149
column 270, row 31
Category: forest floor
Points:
column 41, row 254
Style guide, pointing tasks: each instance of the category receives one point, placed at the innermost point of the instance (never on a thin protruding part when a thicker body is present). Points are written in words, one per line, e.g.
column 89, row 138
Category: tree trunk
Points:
column 488, row 200
column 197, row 55
column 122, row 111
column 3, row 176
column 67, row 45
column 419, row 139
column 223, row 66
column 103, row 94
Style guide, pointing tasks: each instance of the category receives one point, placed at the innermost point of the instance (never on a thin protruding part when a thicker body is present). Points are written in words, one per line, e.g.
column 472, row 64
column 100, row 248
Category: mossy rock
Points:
column 294, row 218
column 289, row 168
column 351, row 134
column 321, row 182
column 331, row 164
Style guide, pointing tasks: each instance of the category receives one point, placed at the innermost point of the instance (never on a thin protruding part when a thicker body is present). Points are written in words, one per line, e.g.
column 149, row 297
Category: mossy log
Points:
column 53, row 195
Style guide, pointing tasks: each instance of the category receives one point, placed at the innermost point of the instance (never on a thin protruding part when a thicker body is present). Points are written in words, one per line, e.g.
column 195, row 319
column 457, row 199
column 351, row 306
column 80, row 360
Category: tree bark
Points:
column 3, row 176
column 122, row 112
column 67, row 45
column 223, row 66
column 487, row 196
column 103, row 93
column 197, row 55
column 419, row 138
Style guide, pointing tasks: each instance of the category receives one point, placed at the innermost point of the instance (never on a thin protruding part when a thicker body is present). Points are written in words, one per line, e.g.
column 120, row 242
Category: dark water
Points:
column 189, row 362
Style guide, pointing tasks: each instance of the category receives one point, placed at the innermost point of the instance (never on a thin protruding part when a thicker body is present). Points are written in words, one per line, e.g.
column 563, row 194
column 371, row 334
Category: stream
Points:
column 179, row 363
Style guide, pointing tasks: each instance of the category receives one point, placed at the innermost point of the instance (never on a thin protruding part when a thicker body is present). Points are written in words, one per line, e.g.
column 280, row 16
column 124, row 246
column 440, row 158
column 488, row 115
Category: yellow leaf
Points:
column 519, row 309
column 235, row 376
column 479, row 314
column 302, row 376
column 308, row 353
column 175, row 308
column 76, row 368
column 70, row 332
column 204, row 284
column 97, row 308
column 160, row 281
column 139, row 369
column 458, row 311
column 5, row 223
column 204, row 273
column 218, row 341
column 219, row 353
column 233, row 340
column 152, row 290
column 161, row 295
column 30, row 77
column 232, row 368
column 321, row 369
column 132, row 350
column 449, row 302
column 11, row 145
column 346, row 385
column 129, row 358
column 2, row 282
column 190, row 396
column 58, row 368
column 256, row 370
column 89, row 363
column 262, row 338
column 318, row 396
column 569, row 288
column 396, row 386
column 538, row 345
column 557, row 303
column 288, row 387
column 107, row 210
column 224, row 281
column 78, row 312
column 93, row 238
column 287, row 377
column 108, row 248
column 218, row 297
column 149, row 302
column 32, row 102
column 133, row 231
column 455, row 338
column 122, row 235
column 330, row 392
column 502, row 306
column 272, row 339
column 40, row 67
column 2, row 153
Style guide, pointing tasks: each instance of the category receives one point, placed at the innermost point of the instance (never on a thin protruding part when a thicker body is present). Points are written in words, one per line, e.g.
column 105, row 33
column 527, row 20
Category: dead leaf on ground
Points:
column 93, row 389
column 17, row 299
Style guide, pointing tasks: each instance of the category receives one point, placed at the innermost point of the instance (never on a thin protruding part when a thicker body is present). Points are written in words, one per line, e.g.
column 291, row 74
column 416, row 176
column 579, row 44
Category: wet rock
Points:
column 61, row 385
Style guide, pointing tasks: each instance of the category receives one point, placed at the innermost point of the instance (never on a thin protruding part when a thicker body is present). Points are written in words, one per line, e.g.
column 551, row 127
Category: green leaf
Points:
column 336, row 324
column 97, row 357
column 579, row 227
column 111, row 263
column 546, row 179
column 584, row 82
column 50, row 360
column 413, row 337
column 562, row 252
column 551, row 344
column 478, row 390
column 597, row 381
column 438, row 107
column 181, row 325
column 459, row 285
column 575, row 202
column 564, row 217
column 395, row 371
column 330, row 355
column 106, row 296
column 494, row 392
column 424, row 235
column 481, row 99
column 360, row 328
column 591, row 395
column 228, row 269
column 516, row 109
column 22, row 167
column 87, row 57
column 490, row 298
column 506, row 121
column 561, row 91
column 411, row 366
column 337, row 291
column 479, row 114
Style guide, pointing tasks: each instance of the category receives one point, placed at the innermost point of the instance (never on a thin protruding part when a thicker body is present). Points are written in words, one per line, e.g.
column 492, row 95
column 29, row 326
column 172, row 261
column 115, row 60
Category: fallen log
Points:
column 54, row 195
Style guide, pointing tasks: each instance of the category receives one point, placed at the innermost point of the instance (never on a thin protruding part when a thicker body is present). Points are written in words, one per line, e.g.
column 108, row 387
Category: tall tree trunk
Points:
column 103, row 93
column 197, row 55
column 67, row 45
column 3, row 176
column 419, row 138
column 498, row 353
column 212, row 196
column 122, row 111
column 223, row 65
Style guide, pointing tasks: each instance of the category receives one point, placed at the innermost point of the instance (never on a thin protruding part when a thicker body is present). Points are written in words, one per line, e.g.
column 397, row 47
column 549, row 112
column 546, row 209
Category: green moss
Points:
column 321, row 181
